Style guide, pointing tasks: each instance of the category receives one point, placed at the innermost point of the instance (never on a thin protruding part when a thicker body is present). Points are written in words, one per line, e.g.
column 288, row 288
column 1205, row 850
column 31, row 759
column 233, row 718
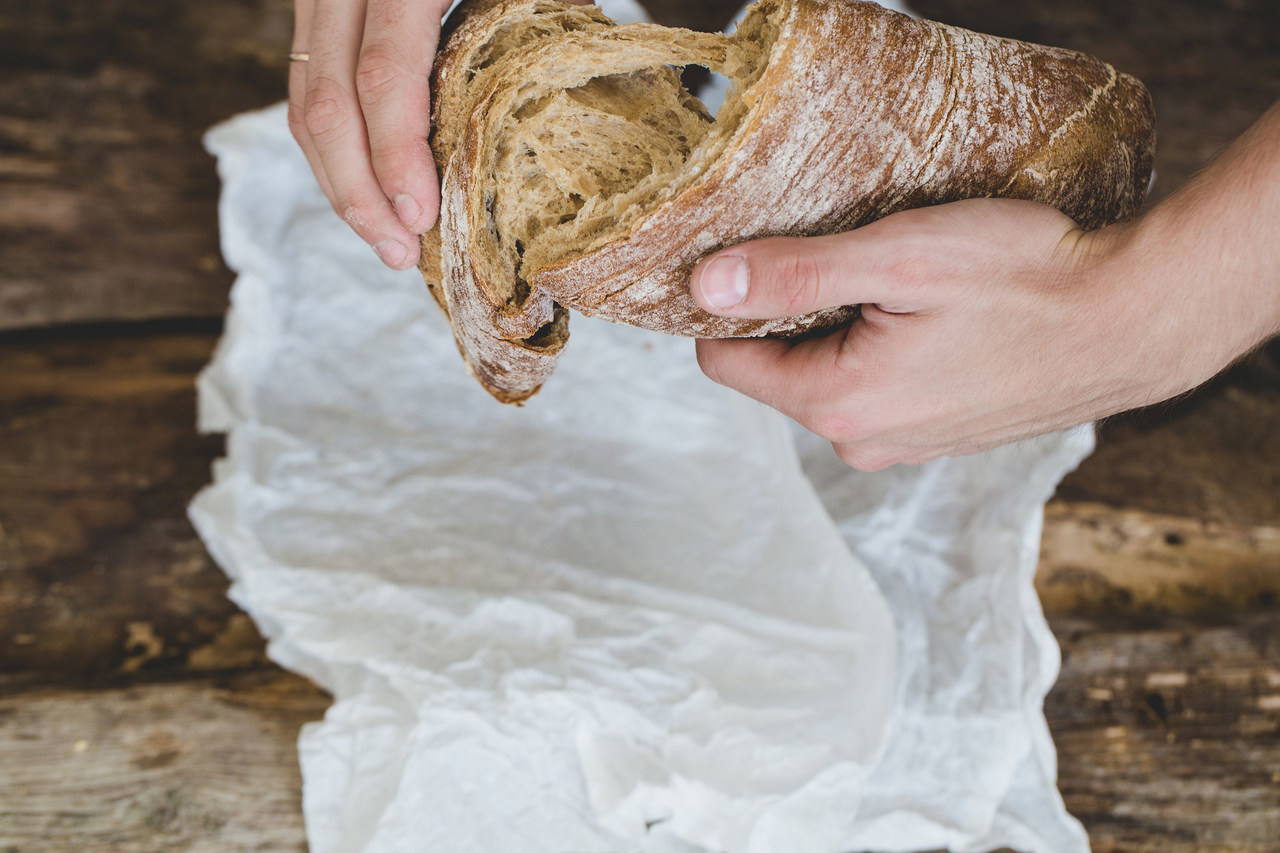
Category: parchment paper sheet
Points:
column 641, row 613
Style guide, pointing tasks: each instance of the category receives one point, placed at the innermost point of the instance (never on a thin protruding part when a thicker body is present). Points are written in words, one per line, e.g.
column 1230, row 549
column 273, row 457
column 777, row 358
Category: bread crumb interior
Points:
column 574, row 168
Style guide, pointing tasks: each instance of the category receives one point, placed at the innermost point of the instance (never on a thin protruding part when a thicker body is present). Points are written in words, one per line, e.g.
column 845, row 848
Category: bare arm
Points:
column 986, row 321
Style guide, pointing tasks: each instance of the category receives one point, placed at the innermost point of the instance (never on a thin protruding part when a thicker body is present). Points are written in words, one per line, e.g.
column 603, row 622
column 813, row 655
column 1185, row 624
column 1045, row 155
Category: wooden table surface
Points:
column 137, row 709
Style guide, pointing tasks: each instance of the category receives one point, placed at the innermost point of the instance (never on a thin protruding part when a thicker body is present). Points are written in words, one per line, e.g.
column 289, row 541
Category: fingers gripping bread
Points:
column 578, row 173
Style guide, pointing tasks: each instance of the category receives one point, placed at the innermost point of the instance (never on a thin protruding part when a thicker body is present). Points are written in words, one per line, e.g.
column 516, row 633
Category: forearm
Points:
column 1208, row 258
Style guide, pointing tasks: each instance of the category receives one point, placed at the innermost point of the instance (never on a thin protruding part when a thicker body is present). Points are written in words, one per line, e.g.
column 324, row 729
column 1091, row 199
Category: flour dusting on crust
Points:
column 840, row 113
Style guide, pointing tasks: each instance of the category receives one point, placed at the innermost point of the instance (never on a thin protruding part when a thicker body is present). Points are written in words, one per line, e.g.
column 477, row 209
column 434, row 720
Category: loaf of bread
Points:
column 577, row 172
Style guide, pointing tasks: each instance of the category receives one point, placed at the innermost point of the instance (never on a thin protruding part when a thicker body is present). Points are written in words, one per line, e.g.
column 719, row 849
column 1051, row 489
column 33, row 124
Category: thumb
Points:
column 778, row 277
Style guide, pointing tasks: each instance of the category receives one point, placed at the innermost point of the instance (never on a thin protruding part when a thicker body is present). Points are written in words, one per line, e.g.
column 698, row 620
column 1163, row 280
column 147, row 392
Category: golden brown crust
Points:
column 472, row 41
column 858, row 113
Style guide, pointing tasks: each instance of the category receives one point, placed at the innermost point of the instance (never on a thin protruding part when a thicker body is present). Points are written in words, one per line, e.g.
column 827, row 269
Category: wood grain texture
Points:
column 1101, row 559
column 107, row 199
column 1166, row 736
column 1214, row 455
column 197, row 766
column 100, row 572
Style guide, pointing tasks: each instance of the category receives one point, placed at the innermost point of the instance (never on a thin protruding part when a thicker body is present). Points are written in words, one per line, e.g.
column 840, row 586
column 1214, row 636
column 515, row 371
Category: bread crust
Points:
column 859, row 112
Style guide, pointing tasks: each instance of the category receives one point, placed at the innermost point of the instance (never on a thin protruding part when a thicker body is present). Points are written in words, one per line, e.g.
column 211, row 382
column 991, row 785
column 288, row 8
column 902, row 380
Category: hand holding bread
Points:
column 989, row 320
column 596, row 182
column 359, row 108
column 578, row 174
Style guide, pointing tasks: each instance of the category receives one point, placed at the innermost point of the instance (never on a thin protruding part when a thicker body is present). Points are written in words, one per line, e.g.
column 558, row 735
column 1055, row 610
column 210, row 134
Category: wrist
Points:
column 1205, row 282
column 1196, row 279
column 1172, row 318
column 1219, row 238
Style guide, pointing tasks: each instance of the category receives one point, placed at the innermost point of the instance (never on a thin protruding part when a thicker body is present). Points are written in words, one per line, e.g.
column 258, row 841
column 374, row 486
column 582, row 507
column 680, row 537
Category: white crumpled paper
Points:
column 628, row 616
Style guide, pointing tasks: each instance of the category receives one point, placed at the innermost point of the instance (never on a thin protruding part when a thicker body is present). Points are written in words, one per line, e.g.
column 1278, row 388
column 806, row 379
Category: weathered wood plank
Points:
column 105, row 578
column 100, row 572
column 1168, row 736
column 1167, row 742
column 107, row 199
column 199, row 766
column 1214, row 455
column 1097, row 559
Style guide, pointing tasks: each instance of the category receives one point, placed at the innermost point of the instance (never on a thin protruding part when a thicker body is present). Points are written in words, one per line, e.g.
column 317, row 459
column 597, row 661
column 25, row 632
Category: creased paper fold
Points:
column 629, row 616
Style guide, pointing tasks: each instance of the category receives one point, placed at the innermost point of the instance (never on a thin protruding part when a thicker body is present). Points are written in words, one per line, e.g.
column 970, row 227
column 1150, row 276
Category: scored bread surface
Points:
column 578, row 173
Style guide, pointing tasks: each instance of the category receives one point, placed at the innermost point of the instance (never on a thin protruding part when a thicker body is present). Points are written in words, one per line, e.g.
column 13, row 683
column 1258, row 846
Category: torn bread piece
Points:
column 578, row 173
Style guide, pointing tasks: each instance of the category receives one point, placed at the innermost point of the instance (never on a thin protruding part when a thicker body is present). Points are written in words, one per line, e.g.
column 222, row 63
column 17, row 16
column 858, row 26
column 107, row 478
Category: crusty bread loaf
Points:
column 576, row 171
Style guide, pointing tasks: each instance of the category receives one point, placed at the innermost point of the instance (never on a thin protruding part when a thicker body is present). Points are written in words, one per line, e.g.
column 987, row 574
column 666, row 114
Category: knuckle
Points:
column 377, row 72
column 835, row 425
column 848, row 418
column 397, row 159
column 914, row 266
column 922, row 260
column 848, row 454
column 800, row 282
column 356, row 214
column 324, row 110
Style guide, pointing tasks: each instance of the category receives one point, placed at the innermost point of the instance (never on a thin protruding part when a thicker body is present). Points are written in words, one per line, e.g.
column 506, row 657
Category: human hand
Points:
column 983, row 322
column 360, row 110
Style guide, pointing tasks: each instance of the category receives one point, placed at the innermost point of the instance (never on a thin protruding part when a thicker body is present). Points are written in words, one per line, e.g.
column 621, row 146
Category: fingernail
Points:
column 724, row 281
column 391, row 252
column 407, row 208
